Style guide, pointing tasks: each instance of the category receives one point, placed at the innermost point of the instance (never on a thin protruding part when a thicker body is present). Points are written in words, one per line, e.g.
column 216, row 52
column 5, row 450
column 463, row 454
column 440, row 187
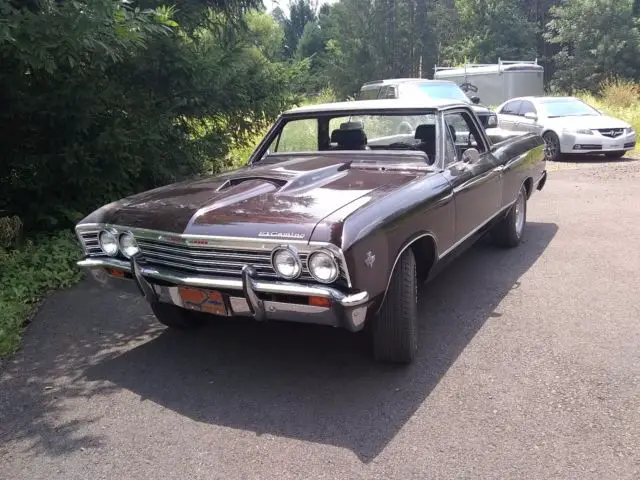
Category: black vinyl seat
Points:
column 350, row 136
column 426, row 133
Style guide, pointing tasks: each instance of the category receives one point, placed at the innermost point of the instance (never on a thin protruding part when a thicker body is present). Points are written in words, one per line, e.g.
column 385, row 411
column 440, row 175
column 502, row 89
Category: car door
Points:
column 508, row 115
column 477, row 187
column 528, row 118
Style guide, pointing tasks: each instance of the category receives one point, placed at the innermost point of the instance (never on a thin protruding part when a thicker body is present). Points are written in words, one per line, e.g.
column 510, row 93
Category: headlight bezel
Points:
column 332, row 258
column 296, row 256
column 114, row 236
column 123, row 249
column 629, row 131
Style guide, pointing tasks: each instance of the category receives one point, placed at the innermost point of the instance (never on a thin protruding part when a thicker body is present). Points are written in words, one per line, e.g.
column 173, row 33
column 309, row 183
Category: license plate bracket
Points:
column 203, row 300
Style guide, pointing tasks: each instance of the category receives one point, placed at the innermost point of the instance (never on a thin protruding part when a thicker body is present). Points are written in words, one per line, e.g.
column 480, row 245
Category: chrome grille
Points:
column 215, row 260
column 611, row 132
column 90, row 242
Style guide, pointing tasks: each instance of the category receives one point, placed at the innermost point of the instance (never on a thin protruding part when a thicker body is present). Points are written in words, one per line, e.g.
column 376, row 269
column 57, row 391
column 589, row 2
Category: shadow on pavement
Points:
column 318, row 384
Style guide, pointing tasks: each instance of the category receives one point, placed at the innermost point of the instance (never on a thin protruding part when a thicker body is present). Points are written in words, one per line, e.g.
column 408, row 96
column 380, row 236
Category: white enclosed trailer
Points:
column 498, row 82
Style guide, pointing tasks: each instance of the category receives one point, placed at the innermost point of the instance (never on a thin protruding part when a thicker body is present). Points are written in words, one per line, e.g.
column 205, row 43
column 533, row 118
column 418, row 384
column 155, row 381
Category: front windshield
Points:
column 447, row 91
column 353, row 132
column 566, row 108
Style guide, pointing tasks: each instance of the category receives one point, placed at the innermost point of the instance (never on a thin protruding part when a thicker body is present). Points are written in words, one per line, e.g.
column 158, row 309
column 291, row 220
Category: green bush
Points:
column 27, row 274
column 10, row 228
column 101, row 100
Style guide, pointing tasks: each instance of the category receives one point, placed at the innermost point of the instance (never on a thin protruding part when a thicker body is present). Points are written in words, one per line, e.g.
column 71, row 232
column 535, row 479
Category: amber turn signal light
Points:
column 114, row 272
column 319, row 302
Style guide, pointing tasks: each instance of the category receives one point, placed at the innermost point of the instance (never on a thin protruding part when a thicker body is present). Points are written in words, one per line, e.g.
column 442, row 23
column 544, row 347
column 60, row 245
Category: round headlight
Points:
column 323, row 267
column 286, row 262
column 128, row 245
column 108, row 243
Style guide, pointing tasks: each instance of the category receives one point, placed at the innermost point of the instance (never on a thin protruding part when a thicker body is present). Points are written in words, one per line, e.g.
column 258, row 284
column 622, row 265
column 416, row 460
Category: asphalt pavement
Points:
column 529, row 368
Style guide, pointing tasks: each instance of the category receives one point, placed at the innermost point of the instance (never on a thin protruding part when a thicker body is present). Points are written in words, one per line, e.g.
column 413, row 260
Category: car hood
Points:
column 281, row 200
column 587, row 122
column 480, row 109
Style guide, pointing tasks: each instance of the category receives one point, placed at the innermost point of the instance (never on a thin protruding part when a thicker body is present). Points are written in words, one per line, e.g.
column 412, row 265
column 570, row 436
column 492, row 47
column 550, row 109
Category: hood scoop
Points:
column 234, row 182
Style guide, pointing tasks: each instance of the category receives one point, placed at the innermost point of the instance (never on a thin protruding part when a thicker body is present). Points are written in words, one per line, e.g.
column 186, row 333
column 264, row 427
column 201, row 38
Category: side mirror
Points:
column 531, row 116
column 475, row 99
column 471, row 156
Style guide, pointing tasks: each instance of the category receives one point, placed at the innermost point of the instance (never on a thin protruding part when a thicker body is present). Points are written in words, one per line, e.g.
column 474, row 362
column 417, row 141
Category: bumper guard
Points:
column 160, row 285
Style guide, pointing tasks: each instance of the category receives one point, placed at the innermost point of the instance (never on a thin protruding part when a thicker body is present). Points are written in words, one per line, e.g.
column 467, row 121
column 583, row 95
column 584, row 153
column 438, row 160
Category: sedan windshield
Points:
column 566, row 108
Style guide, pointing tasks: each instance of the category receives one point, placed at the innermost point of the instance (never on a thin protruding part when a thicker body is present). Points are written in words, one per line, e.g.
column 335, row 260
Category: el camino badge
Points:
column 281, row 234
column 371, row 258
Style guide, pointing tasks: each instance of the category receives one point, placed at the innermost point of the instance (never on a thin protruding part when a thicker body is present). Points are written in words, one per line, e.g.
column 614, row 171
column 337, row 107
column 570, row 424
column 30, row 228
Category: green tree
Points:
column 101, row 99
column 597, row 39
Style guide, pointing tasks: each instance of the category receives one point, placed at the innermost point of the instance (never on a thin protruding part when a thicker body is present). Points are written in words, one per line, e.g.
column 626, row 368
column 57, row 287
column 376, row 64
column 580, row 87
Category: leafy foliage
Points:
column 598, row 39
column 102, row 99
column 27, row 275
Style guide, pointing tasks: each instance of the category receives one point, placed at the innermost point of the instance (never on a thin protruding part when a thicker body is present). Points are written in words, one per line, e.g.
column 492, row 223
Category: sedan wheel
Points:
column 551, row 146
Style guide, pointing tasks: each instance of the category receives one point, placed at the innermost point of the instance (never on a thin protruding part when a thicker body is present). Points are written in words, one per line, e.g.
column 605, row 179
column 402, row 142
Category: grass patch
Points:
column 619, row 99
column 27, row 273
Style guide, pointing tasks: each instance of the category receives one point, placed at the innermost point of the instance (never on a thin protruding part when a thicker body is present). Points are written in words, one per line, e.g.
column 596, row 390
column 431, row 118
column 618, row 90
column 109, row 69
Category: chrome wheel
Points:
column 519, row 215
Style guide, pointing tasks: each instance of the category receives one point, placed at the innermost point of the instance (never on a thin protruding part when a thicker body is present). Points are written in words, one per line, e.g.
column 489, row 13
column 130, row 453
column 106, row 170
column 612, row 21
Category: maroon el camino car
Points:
column 336, row 220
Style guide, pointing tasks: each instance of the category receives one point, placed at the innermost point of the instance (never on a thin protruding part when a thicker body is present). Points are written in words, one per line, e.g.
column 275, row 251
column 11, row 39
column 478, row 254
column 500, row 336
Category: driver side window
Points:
column 463, row 132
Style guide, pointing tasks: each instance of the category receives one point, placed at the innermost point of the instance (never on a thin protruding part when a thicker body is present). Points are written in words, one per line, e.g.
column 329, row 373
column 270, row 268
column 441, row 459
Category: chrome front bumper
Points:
column 161, row 285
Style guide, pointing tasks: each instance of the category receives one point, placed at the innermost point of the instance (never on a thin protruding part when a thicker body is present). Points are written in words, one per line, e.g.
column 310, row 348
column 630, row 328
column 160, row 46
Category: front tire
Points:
column 395, row 327
column 551, row 146
column 175, row 317
column 508, row 233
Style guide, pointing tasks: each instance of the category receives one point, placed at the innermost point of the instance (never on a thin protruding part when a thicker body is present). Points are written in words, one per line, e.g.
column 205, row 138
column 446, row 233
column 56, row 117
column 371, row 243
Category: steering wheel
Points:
column 401, row 145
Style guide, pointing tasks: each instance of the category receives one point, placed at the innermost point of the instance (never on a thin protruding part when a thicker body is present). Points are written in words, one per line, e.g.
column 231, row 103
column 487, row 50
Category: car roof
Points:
column 394, row 81
column 378, row 104
column 540, row 99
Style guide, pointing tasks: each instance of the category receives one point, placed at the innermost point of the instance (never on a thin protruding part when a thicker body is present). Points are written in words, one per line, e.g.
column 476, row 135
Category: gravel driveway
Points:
column 529, row 368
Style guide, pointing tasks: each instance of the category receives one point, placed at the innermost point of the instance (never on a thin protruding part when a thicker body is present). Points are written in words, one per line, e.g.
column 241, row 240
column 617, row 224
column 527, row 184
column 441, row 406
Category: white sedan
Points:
column 568, row 126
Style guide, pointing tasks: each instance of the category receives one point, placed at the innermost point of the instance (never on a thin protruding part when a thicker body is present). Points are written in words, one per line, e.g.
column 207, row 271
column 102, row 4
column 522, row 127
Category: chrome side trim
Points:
column 273, row 287
column 474, row 231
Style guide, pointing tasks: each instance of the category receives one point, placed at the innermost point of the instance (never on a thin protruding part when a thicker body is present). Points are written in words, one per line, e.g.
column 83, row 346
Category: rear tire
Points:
column 508, row 233
column 176, row 317
column 551, row 147
column 614, row 154
column 395, row 327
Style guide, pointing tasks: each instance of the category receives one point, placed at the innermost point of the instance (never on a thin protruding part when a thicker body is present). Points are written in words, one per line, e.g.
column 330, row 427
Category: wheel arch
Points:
column 425, row 250
column 528, row 186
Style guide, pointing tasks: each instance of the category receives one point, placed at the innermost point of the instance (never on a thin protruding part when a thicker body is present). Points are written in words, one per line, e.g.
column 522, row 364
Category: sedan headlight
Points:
column 108, row 243
column 128, row 245
column 579, row 131
column 629, row 131
column 286, row 262
column 323, row 266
